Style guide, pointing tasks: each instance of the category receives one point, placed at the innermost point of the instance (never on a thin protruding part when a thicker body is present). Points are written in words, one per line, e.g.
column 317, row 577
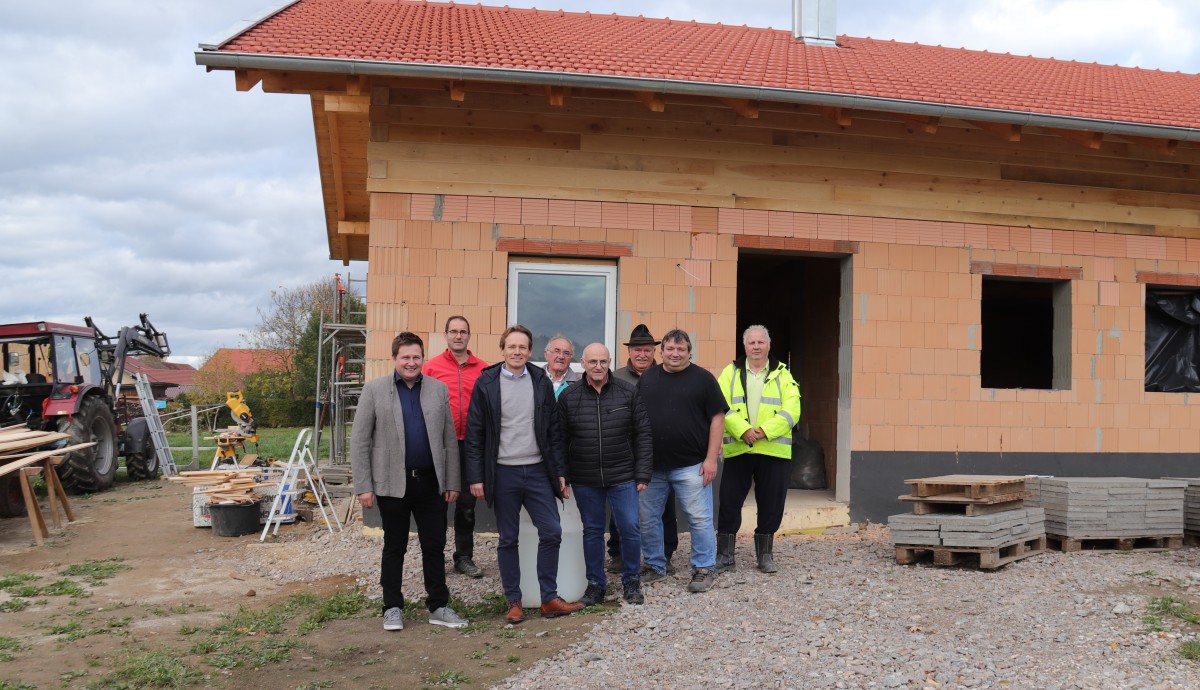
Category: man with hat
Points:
column 641, row 357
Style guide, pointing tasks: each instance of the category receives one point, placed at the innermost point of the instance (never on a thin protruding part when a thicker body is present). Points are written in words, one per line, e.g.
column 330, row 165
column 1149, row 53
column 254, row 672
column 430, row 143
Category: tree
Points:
column 283, row 324
column 305, row 358
column 214, row 379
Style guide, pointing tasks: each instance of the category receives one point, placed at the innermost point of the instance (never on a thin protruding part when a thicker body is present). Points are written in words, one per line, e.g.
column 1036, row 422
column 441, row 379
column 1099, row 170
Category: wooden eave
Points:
column 342, row 110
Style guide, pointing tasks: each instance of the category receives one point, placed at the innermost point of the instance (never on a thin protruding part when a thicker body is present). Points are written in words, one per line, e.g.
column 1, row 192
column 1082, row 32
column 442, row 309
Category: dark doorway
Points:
column 797, row 297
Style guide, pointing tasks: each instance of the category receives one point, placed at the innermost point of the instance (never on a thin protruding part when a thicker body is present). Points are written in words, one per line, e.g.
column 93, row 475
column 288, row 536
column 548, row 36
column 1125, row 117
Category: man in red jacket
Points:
column 458, row 369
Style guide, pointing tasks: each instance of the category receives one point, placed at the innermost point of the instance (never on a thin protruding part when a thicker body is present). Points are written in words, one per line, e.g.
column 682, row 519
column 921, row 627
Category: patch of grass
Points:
column 316, row 685
column 189, row 608
column 68, row 676
column 337, row 606
column 348, row 650
column 64, row 588
column 224, row 661
column 477, row 654
column 8, row 645
column 493, row 604
column 1174, row 607
column 452, row 678
column 273, row 652
column 514, row 659
column 97, row 571
column 1190, row 650
column 119, row 622
column 1144, row 573
column 510, row 634
column 1153, row 623
column 475, row 626
column 13, row 605
column 14, row 579
column 153, row 670
column 75, row 631
column 7, row 685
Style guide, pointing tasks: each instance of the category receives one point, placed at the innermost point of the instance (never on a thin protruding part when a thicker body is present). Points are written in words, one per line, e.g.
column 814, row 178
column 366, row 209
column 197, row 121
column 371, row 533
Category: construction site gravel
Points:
column 842, row 614
column 839, row 614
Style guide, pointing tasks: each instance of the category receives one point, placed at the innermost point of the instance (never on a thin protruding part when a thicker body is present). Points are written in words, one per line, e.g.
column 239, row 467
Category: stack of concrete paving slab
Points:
column 1191, row 504
column 1109, row 507
column 965, row 531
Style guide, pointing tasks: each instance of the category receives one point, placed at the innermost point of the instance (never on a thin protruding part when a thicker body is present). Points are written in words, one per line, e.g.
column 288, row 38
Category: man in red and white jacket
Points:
column 458, row 369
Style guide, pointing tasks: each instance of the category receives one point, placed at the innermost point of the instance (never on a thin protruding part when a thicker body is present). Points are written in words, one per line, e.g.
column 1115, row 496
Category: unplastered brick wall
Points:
column 915, row 336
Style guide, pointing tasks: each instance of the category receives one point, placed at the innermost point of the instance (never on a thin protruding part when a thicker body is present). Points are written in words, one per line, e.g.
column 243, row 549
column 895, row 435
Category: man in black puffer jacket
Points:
column 609, row 448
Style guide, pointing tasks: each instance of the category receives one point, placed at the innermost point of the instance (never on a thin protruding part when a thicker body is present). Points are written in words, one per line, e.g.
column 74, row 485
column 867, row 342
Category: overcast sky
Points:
column 131, row 180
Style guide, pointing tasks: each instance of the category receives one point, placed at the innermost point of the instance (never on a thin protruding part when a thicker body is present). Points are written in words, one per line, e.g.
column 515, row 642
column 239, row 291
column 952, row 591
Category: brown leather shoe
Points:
column 557, row 607
column 515, row 614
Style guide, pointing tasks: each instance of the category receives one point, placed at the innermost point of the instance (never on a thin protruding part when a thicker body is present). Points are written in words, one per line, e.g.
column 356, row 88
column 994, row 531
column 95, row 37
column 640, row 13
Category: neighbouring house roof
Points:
column 555, row 47
column 247, row 361
column 158, row 371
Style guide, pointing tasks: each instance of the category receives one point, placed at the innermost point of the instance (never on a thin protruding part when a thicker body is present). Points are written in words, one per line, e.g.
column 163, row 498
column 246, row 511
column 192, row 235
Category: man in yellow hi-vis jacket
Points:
column 764, row 405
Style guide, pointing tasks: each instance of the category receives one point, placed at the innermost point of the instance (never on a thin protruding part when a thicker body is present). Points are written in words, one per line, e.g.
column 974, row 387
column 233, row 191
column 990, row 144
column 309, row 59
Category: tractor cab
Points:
column 45, row 367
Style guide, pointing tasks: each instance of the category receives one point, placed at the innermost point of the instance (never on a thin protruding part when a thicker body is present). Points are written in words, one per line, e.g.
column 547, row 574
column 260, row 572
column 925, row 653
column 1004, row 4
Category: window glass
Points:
column 65, row 369
column 576, row 301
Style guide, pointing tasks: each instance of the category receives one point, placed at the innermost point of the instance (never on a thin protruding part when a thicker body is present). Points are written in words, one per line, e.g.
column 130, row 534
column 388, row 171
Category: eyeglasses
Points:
column 557, row 352
column 455, row 334
column 596, row 363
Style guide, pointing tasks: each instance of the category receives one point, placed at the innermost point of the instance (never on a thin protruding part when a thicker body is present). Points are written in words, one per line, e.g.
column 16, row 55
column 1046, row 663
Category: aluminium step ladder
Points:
column 162, row 448
column 300, row 463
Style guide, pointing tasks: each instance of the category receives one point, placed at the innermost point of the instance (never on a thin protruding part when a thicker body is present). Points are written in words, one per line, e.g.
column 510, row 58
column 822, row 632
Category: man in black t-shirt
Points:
column 687, row 418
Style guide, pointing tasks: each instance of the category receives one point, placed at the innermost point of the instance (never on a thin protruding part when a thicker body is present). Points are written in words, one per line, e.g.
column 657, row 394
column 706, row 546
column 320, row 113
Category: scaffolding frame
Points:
column 338, row 388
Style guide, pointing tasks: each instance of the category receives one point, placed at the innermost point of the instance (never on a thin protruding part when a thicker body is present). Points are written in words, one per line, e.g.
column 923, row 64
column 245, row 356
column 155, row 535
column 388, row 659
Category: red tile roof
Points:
column 421, row 33
column 247, row 361
column 158, row 371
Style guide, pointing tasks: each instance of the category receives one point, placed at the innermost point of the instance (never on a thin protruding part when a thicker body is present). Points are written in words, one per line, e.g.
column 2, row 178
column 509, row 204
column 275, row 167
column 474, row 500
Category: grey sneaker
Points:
column 702, row 580
column 650, row 575
column 393, row 619
column 446, row 617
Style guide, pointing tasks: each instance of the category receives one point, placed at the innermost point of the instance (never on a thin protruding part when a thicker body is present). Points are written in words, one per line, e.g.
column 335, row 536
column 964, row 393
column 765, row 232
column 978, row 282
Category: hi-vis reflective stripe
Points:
column 731, row 412
column 791, row 422
column 770, row 401
column 728, row 439
column 737, row 399
column 785, row 440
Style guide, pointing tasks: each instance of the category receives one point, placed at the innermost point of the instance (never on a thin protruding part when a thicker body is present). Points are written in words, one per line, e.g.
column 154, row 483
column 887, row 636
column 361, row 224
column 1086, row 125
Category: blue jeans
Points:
column 625, row 508
column 697, row 503
column 528, row 486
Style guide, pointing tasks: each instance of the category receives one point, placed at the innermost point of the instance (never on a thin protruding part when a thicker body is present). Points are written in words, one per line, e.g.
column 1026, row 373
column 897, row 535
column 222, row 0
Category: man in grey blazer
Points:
column 404, row 455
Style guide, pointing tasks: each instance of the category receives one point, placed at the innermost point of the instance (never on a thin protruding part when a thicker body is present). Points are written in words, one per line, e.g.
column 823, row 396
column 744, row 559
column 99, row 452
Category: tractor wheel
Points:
column 12, row 501
column 90, row 469
column 143, row 464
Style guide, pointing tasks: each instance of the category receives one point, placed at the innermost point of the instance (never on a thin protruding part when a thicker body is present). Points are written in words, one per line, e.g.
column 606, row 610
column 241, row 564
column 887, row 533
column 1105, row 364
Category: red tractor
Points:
column 59, row 377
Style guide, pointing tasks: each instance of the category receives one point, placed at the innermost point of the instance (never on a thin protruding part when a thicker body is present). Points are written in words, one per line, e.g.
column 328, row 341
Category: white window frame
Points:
column 607, row 271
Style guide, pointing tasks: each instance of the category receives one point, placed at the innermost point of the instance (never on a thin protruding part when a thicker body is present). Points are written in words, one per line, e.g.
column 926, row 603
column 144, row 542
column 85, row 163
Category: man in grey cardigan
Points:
column 404, row 455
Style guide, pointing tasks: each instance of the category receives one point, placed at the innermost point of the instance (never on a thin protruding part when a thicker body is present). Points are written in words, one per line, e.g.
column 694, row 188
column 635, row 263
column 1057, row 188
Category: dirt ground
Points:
column 182, row 583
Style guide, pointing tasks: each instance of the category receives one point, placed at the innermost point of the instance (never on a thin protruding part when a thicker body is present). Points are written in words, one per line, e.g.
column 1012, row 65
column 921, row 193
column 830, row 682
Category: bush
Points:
column 275, row 413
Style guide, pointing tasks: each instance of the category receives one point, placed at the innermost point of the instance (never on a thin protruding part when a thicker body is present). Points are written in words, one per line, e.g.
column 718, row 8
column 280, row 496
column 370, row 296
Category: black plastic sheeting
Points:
column 1173, row 342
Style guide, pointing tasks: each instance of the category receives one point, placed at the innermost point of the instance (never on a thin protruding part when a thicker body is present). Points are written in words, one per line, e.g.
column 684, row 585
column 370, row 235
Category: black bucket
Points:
column 234, row 519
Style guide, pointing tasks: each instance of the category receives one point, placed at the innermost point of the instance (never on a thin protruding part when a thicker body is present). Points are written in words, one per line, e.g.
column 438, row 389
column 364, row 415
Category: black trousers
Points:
column 670, row 530
column 425, row 504
column 464, row 514
column 770, row 476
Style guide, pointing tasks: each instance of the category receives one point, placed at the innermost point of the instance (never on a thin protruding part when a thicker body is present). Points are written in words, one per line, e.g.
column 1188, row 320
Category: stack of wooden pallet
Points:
column 974, row 519
column 1111, row 513
column 225, row 486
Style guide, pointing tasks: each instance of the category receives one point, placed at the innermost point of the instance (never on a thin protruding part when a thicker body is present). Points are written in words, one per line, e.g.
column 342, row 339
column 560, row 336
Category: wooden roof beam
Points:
column 335, row 103
column 556, row 95
column 458, row 91
column 356, row 85
column 1091, row 140
column 653, row 101
column 246, row 79
column 1164, row 146
column 335, row 156
column 926, row 124
column 1003, row 131
column 838, row 116
column 745, row 107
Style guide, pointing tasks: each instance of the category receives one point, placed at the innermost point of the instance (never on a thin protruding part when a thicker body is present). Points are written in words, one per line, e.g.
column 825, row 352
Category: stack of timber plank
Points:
column 1111, row 513
column 1191, row 507
column 225, row 486
column 977, row 519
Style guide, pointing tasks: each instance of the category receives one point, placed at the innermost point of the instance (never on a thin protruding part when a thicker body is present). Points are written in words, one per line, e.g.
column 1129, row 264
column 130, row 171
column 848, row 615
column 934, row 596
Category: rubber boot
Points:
column 764, row 545
column 725, row 560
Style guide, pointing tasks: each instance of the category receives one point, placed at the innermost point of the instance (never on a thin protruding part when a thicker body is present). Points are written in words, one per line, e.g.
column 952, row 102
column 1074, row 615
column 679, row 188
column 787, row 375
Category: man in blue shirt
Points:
column 404, row 456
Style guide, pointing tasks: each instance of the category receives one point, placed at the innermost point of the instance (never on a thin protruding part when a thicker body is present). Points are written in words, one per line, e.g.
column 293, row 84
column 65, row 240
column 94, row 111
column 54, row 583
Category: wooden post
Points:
column 31, row 506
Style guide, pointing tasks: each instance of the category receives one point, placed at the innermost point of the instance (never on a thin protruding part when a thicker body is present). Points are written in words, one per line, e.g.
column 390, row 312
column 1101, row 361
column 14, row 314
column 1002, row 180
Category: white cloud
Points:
column 131, row 180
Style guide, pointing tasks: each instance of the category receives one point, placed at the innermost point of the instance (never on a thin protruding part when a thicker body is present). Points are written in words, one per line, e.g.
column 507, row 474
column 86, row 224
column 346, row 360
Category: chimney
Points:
column 815, row 22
